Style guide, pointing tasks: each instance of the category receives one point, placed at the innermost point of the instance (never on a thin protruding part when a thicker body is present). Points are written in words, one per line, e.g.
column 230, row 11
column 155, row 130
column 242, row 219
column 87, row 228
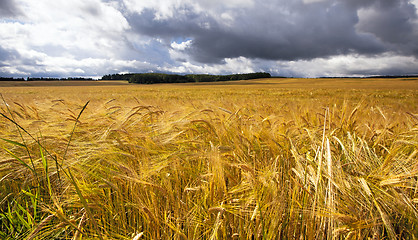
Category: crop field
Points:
column 255, row 159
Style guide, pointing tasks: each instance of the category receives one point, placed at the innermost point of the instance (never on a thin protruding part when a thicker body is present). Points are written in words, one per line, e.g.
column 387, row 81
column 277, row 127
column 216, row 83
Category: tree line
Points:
column 59, row 79
column 150, row 78
column 11, row 79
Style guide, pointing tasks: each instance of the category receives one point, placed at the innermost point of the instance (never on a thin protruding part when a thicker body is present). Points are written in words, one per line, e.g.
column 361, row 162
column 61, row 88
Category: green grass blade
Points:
column 84, row 202
column 13, row 142
column 20, row 160
column 72, row 132
column 45, row 165
column 20, row 216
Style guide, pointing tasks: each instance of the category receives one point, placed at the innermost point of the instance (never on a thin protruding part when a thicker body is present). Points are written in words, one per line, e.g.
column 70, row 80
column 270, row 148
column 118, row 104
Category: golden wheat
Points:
column 204, row 162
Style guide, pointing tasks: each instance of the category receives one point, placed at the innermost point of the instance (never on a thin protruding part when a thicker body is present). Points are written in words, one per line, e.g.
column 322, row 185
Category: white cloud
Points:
column 70, row 21
column 63, row 66
column 177, row 51
column 222, row 10
column 231, row 65
column 181, row 46
column 85, row 25
column 216, row 7
column 63, row 37
column 350, row 65
column 164, row 8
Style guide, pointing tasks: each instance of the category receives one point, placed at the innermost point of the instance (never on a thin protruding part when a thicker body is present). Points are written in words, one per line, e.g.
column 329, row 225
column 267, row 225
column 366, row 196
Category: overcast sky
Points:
column 308, row 38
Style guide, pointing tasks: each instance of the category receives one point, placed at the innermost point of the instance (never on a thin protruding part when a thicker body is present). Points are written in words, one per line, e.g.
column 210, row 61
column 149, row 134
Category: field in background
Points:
column 262, row 159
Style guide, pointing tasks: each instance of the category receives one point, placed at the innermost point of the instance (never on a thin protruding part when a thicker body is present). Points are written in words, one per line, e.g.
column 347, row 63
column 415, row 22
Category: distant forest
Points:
column 150, row 78
column 11, row 79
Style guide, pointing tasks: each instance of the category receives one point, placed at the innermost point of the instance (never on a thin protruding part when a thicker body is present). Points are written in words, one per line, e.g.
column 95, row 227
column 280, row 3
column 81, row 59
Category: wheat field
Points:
column 260, row 159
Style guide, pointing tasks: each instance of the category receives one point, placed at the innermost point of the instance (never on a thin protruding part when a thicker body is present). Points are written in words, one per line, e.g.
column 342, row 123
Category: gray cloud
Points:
column 393, row 22
column 188, row 23
column 318, row 33
column 356, row 4
column 6, row 55
column 289, row 30
column 8, row 8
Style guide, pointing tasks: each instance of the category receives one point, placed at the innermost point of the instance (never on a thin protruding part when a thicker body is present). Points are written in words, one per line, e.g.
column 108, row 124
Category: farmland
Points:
column 255, row 159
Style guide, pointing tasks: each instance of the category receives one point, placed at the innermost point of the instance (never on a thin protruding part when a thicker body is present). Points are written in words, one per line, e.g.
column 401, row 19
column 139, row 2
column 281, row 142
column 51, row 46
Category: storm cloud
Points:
column 292, row 38
column 288, row 30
